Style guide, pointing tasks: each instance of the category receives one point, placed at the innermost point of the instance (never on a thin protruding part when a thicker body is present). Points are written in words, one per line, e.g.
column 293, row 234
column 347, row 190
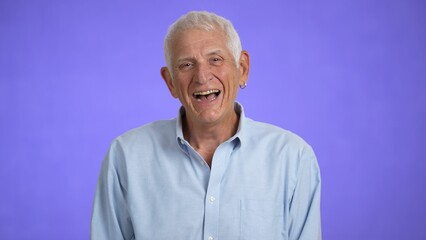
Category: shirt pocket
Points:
column 261, row 220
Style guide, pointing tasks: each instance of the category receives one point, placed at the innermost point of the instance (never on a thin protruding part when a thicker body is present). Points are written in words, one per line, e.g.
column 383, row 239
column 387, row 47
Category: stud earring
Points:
column 242, row 86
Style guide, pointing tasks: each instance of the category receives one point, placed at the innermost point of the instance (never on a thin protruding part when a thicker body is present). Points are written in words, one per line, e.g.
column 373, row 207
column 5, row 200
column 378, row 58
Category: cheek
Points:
column 232, row 86
column 180, row 86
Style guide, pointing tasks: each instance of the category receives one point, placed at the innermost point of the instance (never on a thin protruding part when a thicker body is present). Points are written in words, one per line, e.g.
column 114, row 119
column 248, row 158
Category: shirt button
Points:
column 210, row 238
column 212, row 199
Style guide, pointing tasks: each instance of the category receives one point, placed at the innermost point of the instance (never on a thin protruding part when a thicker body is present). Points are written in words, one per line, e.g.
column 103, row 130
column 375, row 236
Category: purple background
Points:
column 348, row 76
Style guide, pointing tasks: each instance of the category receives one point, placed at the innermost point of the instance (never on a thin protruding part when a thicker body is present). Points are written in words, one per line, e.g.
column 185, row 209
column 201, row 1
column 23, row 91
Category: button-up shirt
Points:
column 264, row 183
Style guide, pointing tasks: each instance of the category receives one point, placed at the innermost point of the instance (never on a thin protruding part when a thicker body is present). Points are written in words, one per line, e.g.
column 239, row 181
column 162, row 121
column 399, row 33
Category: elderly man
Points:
column 211, row 173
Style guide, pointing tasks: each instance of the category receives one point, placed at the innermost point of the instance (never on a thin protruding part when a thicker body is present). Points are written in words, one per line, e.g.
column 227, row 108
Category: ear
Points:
column 244, row 67
column 169, row 80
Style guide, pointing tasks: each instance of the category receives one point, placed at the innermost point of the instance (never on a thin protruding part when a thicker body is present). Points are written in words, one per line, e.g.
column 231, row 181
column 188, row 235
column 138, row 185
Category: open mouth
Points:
column 209, row 95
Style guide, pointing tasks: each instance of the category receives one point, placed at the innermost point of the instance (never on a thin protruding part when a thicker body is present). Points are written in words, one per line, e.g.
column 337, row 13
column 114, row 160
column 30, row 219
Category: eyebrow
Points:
column 184, row 59
column 214, row 52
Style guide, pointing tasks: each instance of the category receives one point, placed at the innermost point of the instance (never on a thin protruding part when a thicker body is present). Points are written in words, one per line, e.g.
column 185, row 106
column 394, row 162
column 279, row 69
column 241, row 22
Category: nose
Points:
column 203, row 74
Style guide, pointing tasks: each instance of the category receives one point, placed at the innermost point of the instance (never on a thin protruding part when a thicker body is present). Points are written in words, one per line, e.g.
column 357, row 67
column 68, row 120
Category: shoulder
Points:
column 278, row 143
column 274, row 134
column 151, row 133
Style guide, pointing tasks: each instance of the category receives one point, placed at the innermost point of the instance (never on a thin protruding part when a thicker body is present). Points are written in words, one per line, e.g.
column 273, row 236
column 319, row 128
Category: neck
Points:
column 205, row 138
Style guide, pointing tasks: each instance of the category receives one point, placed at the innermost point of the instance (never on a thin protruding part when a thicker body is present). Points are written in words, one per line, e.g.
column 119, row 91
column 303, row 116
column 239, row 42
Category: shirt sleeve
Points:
column 110, row 215
column 305, row 218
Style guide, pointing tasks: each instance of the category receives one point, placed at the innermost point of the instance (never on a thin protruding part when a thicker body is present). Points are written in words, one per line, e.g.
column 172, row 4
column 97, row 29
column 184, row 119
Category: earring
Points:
column 242, row 86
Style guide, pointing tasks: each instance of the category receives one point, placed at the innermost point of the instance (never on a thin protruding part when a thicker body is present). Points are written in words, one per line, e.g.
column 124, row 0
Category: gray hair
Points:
column 206, row 21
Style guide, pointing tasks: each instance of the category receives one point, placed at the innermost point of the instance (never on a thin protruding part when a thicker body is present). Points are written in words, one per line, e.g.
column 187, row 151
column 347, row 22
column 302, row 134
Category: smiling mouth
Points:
column 209, row 95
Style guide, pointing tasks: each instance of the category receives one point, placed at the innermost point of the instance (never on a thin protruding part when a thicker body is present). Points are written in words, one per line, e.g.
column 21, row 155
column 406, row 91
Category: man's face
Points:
column 205, row 76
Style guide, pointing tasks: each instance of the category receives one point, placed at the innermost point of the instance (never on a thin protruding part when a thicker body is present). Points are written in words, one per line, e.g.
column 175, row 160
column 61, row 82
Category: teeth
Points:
column 206, row 92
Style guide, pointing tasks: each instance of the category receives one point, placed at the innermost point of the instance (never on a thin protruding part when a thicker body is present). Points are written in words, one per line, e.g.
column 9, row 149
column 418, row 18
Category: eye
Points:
column 216, row 60
column 186, row 65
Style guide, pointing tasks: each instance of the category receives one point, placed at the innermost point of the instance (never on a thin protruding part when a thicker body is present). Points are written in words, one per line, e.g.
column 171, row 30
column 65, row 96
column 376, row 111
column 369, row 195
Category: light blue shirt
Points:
column 264, row 184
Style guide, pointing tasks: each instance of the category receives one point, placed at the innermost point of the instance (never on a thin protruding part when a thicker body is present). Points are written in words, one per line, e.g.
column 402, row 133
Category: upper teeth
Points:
column 206, row 92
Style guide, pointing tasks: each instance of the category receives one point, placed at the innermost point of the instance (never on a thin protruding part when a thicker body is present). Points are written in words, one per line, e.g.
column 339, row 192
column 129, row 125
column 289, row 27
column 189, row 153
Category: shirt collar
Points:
column 237, row 138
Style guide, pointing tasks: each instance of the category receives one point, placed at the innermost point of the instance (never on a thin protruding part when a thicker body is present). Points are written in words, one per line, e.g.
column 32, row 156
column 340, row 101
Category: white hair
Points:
column 206, row 21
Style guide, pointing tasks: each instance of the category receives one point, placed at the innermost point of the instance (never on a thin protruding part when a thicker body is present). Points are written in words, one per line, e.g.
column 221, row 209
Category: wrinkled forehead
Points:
column 197, row 38
column 197, row 34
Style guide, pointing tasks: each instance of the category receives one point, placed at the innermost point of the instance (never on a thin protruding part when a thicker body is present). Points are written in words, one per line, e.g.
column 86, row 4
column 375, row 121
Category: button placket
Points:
column 212, row 200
